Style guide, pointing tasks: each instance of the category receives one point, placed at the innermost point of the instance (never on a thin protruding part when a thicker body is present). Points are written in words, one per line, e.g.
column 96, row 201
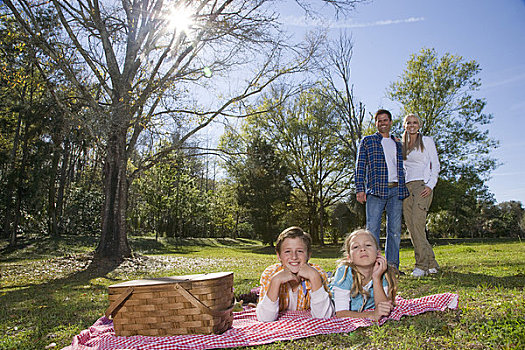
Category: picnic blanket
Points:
column 247, row 331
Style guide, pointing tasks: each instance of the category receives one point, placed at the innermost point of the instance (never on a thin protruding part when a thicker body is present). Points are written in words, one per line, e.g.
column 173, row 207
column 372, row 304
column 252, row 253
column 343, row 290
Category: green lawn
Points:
column 49, row 291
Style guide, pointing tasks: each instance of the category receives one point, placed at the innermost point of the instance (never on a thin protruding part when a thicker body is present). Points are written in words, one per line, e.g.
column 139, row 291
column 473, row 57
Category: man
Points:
column 380, row 183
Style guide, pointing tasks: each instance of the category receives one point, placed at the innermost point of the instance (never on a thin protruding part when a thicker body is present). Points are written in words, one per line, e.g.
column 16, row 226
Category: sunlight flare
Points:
column 181, row 19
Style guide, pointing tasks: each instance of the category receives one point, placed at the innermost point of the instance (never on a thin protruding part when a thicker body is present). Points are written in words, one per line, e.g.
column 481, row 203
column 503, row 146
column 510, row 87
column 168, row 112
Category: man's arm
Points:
column 360, row 171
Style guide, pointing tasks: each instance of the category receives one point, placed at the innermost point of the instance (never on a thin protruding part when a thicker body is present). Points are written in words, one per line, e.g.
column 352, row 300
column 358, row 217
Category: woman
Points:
column 421, row 164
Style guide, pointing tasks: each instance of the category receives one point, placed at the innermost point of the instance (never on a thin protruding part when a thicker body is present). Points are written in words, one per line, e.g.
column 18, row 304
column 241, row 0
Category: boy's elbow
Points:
column 266, row 318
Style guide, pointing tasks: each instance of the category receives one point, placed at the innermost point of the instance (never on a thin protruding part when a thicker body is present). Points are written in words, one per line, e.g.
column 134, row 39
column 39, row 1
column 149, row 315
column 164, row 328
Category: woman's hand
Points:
column 426, row 192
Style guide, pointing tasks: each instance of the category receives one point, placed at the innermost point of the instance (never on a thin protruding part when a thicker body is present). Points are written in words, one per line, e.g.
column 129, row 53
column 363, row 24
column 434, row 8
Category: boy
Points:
column 293, row 284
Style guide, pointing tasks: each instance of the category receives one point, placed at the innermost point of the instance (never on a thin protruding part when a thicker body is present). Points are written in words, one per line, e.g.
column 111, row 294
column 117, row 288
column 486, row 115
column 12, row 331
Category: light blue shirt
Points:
column 340, row 287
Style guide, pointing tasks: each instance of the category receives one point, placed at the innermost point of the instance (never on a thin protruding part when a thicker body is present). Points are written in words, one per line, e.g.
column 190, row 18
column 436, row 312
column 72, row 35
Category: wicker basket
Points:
column 192, row 304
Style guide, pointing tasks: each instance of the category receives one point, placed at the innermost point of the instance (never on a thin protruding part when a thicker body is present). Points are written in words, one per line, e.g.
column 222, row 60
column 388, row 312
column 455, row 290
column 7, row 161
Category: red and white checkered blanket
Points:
column 247, row 331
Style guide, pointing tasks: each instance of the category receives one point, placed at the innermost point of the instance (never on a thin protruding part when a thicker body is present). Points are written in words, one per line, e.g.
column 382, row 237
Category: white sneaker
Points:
column 432, row 271
column 418, row 272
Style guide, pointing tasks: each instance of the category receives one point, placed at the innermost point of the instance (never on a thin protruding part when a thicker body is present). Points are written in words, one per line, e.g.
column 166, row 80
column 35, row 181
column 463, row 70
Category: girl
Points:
column 421, row 163
column 293, row 283
column 363, row 279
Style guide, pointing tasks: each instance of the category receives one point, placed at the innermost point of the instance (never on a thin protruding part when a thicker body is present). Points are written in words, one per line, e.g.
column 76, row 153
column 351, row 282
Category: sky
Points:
column 387, row 32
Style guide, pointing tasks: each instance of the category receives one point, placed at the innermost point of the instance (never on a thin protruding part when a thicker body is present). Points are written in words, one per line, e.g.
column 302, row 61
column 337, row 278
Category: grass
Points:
column 49, row 291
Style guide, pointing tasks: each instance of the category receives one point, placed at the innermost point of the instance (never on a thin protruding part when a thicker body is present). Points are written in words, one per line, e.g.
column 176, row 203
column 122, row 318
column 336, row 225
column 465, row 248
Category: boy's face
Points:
column 293, row 254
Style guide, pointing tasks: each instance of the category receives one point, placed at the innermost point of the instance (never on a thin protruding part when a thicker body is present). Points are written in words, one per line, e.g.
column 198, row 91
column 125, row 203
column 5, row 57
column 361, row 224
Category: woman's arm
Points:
column 430, row 147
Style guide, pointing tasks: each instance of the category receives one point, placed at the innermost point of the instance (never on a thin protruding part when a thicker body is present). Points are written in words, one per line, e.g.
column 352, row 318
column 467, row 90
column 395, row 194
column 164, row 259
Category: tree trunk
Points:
column 10, row 187
column 113, row 243
column 62, row 183
column 52, row 225
column 20, row 188
column 321, row 222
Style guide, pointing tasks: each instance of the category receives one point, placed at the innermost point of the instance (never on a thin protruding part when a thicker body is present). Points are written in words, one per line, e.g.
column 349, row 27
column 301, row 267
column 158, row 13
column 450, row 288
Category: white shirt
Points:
column 320, row 306
column 423, row 165
column 390, row 151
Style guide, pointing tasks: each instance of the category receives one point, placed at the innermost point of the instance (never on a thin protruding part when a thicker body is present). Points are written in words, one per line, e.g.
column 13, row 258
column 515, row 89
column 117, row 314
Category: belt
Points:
column 392, row 184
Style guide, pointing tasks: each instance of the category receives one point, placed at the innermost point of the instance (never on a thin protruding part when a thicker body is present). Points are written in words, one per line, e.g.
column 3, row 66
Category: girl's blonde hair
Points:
column 418, row 143
column 357, row 285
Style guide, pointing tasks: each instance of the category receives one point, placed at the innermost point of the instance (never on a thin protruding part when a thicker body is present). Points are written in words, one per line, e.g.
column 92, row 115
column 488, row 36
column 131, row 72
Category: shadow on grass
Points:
column 40, row 247
column 36, row 308
column 473, row 280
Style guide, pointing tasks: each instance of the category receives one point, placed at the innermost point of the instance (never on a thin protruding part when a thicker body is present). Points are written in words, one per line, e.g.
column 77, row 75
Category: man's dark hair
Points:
column 383, row 111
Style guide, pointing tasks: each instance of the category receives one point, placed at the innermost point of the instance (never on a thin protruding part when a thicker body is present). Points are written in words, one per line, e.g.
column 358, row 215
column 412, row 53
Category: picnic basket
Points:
column 190, row 304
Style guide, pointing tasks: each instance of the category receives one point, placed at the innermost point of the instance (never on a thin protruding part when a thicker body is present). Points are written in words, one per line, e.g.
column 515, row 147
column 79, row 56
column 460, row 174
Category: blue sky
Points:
column 387, row 32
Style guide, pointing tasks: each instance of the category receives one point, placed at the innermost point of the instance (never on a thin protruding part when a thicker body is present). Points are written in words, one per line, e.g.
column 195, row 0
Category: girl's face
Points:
column 412, row 125
column 363, row 250
column 293, row 254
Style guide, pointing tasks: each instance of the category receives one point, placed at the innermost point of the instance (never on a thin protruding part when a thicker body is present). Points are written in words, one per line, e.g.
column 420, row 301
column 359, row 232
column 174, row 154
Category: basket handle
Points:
column 197, row 303
column 114, row 305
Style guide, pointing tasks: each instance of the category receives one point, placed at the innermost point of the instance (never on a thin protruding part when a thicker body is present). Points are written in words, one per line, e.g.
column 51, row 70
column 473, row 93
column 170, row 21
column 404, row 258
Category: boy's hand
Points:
column 285, row 276
column 307, row 272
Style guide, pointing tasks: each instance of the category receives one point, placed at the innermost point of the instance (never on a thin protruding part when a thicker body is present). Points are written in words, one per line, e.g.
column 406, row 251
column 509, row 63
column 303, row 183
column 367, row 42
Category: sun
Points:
column 181, row 19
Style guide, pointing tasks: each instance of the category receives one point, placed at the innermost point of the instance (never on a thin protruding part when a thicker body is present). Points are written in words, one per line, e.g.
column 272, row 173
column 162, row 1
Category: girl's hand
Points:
column 382, row 309
column 380, row 267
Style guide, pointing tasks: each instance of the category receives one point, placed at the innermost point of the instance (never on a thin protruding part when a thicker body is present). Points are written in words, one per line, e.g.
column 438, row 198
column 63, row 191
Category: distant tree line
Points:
column 80, row 157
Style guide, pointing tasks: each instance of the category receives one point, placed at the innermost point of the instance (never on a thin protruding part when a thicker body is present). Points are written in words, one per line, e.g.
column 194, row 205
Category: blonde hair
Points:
column 418, row 143
column 357, row 285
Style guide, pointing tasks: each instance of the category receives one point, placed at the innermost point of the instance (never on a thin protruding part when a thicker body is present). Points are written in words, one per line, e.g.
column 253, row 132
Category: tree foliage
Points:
column 304, row 131
column 262, row 186
column 441, row 90
column 131, row 66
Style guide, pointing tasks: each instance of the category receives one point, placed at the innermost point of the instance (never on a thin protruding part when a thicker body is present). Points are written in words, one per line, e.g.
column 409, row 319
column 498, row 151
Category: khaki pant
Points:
column 415, row 210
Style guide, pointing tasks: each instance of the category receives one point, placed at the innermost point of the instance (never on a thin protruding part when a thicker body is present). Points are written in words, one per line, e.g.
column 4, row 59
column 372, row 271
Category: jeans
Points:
column 394, row 210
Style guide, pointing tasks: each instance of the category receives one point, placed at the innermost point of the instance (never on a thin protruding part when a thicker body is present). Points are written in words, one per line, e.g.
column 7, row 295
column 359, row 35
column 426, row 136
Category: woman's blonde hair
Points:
column 405, row 139
column 357, row 285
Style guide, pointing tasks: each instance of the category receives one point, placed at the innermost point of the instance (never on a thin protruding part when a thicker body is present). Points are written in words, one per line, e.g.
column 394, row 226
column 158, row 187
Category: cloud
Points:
column 499, row 83
column 513, row 173
column 301, row 22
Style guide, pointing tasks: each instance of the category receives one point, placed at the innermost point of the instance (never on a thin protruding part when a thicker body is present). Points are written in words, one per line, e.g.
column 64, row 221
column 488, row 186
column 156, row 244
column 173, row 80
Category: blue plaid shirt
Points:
column 371, row 166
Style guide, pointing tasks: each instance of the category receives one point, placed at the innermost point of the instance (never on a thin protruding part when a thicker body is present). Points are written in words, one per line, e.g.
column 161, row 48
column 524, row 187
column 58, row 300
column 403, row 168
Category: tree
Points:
column 303, row 130
column 336, row 72
column 441, row 91
column 262, row 186
column 32, row 132
column 131, row 65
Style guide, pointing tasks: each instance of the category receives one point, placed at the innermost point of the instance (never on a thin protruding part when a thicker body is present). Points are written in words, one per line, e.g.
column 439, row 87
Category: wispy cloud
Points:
column 513, row 173
column 511, row 80
column 301, row 22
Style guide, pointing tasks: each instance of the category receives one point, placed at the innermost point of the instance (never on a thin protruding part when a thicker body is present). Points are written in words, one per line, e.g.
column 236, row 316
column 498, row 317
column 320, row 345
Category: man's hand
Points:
column 361, row 197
